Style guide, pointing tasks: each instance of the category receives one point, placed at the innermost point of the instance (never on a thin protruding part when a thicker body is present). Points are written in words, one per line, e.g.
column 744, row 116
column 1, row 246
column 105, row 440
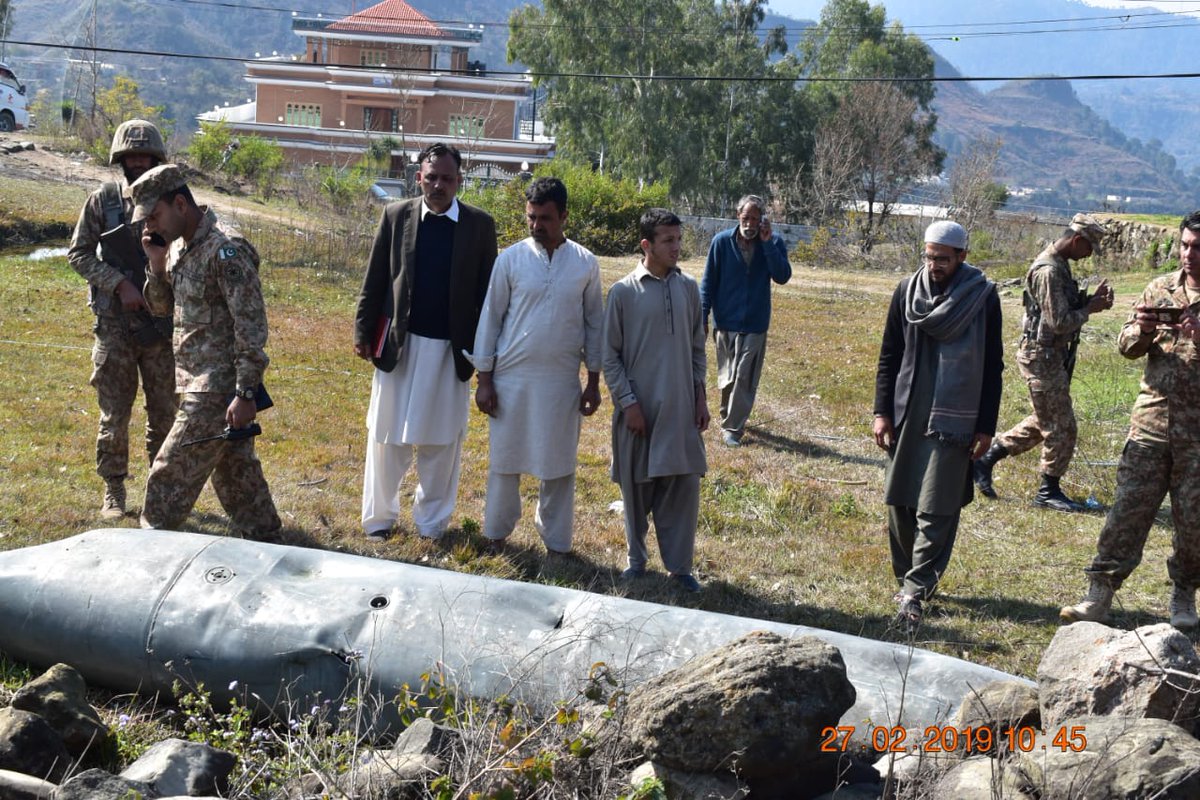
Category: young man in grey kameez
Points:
column 937, row 397
column 654, row 365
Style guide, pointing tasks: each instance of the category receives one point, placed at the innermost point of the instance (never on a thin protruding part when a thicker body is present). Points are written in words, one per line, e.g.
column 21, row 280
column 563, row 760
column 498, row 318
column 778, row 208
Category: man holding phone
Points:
column 206, row 274
column 736, row 287
column 1055, row 311
column 1162, row 451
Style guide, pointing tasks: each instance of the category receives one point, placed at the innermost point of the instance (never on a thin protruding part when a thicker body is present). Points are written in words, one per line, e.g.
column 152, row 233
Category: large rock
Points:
column 1124, row 759
column 757, row 705
column 96, row 784
column 983, row 777
column 19, row 786
column 59, row 695
column 999, row 705
column 177, row 767
column 29, row 745
column 425, row 737
column 1091, row 669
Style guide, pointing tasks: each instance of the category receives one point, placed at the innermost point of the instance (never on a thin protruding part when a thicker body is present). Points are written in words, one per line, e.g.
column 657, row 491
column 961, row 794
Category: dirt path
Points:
column 78, row 169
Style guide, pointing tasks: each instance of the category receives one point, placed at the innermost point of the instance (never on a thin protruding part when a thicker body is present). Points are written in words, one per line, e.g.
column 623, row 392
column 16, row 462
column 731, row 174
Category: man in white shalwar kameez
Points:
column 542, row 318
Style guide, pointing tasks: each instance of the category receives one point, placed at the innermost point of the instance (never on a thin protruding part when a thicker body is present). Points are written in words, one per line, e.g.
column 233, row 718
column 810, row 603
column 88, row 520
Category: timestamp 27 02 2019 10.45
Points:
column 948, row 739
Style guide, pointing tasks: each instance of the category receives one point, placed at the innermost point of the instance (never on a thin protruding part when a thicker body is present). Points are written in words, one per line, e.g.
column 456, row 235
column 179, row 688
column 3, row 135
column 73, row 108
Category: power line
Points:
column 611, row 76
column 938, row 32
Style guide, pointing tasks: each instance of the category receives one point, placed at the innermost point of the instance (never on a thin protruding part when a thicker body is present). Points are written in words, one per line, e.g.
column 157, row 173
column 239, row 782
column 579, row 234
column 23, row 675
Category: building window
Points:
column 303, row 114
column 372, row 58
column 466, row 126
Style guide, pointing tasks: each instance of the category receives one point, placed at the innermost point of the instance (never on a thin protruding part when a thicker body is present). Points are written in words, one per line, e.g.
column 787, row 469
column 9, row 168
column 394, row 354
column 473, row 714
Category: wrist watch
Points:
column 245, row 394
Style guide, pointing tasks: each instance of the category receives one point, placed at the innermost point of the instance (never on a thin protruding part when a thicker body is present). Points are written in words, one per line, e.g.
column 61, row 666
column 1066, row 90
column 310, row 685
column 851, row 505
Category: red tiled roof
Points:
column 390, row 16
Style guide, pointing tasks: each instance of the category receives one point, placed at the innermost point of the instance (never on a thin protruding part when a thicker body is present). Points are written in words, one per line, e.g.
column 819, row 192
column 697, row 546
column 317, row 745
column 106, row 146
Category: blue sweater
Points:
column 740, row 296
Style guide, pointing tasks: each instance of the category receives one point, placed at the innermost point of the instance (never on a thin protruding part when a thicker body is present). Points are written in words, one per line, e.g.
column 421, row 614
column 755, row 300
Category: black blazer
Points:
column 387, row 286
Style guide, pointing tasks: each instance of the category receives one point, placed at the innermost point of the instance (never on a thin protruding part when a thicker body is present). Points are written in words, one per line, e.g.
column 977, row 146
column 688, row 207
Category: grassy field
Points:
column 792, row 526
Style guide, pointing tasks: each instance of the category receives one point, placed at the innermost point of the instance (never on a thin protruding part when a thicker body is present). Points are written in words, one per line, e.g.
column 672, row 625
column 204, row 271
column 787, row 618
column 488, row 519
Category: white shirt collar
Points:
column 451, row 212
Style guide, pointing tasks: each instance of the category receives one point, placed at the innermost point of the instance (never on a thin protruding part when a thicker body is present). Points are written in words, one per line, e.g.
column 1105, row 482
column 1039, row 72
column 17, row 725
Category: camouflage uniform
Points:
column 1053, row 318
column 1162, row 453
column 117, row 354
column 220, row 334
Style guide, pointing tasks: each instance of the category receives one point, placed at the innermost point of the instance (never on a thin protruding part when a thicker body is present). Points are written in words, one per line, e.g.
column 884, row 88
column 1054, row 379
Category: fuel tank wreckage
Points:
column 137, row 610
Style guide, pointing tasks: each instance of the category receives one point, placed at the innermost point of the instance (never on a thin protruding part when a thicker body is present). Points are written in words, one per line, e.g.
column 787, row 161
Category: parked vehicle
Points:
column 14, row 109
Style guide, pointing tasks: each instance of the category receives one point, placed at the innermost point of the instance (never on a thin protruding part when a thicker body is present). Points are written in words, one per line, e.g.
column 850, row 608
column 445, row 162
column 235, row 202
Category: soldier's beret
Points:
column 1089, row 228
column 152, row 185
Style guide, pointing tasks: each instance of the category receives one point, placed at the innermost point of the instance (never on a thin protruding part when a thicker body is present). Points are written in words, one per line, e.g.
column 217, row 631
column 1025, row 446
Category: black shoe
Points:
column 686, row 583
column 981, row 470
column 1051, row 496
column 381, row 535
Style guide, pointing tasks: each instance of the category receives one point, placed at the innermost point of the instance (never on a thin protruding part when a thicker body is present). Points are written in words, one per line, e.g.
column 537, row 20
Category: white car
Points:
column 14, row 110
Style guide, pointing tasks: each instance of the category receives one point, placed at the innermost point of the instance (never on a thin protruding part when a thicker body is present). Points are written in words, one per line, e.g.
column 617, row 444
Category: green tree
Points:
column 114, row 105
column 706, row 137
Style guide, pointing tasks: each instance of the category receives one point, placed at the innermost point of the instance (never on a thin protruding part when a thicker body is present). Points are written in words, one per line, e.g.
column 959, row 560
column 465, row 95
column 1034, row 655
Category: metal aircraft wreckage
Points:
column 136, row 610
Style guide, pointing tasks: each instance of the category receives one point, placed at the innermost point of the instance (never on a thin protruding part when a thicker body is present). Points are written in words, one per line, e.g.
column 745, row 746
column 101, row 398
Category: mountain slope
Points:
column 1055, row 145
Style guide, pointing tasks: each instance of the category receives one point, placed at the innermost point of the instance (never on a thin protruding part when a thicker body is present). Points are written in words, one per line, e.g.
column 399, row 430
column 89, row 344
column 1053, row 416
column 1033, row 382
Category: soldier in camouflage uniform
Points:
column 127, row 339
column 1162, row 451
column 208, row 274
column 1055, row 311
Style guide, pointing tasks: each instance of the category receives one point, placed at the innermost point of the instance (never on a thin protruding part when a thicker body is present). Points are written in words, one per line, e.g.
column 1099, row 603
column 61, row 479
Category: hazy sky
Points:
column 811, row 9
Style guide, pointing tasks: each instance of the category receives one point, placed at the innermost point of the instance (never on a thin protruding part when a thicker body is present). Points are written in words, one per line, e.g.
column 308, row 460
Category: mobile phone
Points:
column 1168, row 315
column 157, row 240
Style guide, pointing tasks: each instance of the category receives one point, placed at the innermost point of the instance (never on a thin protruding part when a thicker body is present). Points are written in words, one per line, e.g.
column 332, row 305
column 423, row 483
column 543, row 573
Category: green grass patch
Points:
column 792, row 524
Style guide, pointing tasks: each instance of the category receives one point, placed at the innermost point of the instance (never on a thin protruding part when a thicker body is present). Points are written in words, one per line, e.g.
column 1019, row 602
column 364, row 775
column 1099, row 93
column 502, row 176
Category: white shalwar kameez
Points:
column 419, row 410
column 542, row 318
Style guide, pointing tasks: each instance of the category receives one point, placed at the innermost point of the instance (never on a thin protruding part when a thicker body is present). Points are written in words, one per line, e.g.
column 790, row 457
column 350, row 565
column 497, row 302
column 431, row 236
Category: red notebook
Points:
column 381, row 333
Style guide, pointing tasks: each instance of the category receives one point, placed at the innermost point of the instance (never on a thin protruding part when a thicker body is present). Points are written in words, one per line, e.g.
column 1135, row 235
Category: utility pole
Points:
column 92, row 34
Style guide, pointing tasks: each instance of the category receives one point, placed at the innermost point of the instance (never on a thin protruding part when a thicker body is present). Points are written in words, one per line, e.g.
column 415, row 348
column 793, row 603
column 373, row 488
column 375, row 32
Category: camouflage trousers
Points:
column 1146, row 473
column 179, row 472
column 117, row 359
column 1052, row 423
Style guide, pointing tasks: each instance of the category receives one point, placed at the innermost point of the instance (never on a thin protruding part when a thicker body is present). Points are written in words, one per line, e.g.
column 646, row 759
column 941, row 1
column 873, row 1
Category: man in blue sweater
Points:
column 736, row 288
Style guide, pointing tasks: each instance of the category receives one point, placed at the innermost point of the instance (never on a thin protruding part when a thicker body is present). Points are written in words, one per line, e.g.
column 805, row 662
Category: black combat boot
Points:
column 1051, row 496
column 982, row 468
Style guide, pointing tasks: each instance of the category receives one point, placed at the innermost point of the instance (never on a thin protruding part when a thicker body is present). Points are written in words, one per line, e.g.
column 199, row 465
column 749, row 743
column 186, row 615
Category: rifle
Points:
column 1081, row 301
column 229, row 434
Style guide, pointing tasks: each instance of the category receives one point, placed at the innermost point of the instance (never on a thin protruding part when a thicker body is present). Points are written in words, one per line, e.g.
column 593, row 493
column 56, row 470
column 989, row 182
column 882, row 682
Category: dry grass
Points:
column 792, row 524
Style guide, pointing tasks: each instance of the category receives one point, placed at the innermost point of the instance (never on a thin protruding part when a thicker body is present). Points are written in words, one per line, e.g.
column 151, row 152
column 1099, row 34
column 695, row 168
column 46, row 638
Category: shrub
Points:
column 253, row 158
column 604, row 211
column 257, row 160
column 208, row 146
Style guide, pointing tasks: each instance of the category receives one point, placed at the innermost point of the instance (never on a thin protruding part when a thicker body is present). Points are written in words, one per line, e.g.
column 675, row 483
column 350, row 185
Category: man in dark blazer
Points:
column 420, row 301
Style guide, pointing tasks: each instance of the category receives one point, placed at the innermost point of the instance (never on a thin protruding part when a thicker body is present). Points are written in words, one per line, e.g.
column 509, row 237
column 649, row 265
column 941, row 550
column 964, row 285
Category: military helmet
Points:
column 137, row 136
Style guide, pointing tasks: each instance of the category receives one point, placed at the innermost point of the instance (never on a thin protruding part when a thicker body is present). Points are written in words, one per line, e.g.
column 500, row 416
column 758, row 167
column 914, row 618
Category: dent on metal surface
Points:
column 136, row 610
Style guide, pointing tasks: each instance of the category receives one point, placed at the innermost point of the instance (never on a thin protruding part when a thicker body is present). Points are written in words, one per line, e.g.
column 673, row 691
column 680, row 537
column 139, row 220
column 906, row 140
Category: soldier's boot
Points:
column 1050, row 495
column 1183, row 608
column 1095, row 604
column 114, row 498
column 982, row 468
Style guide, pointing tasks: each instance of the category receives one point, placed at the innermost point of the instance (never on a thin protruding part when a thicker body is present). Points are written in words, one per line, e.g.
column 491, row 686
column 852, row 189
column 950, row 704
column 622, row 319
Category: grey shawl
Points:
column 953, row 322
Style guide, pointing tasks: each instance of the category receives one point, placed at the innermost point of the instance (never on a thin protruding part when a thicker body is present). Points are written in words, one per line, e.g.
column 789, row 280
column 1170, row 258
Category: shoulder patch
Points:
column 226, row 253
